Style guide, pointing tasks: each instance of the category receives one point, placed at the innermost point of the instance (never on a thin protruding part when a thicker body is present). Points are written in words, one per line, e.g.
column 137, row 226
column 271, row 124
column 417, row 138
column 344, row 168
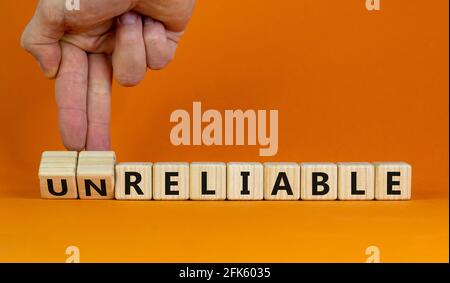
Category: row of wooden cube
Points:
column 98, row 177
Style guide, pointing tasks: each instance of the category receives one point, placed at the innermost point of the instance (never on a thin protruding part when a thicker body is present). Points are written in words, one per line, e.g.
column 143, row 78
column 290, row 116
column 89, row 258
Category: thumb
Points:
column 41, row 36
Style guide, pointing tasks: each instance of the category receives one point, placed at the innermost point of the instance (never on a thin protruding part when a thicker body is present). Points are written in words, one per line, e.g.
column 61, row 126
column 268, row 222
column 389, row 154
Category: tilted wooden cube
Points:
column 281, row 181
column 208, row 181
column 318, row 181
column 245, row 181
column 59, row 154
column 392, row 180
column 356, row 181
column 95, row 175
column 57, row 175
column 133, row 181
column 171, row 181
column 101, row 155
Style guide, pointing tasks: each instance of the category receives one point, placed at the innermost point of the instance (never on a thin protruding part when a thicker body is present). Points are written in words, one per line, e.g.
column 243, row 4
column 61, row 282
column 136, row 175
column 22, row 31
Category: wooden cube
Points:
column 356, row 181
column 97, row 155
column 96, row 182
column 392, row 180
column 57, row 175
column 171, row 181
column 318, row 181
column 245, row 181
column 281, row 181
column 208, row 181
column 133, row 181
column 60, row 154
column 95, row 175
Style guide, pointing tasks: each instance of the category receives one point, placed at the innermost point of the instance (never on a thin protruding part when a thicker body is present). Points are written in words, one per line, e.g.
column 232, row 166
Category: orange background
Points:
column 349, row 84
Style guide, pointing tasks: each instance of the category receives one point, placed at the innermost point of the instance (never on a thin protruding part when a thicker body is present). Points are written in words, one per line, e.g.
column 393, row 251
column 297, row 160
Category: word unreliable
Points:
column 95, row 175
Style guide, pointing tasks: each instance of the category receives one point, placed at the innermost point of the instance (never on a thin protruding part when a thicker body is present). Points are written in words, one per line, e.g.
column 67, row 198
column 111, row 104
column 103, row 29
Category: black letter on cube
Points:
column 101, row 191
column 391, row 183
column 355, row 190
column 316, row 183
column 129, row 184
column 245, row 190
column 169, row 183
column 282, row 177
column 205, row 190
column 51, row 189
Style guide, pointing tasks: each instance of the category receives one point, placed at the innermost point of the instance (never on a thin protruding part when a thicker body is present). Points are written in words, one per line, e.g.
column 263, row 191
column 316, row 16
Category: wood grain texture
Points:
column 95, row 175
column 356, row 181
column 311, row 171
column 133, row 181
column 97, row 154
column 281, row 181
column 245, row 181
column 215, row 185
column 57, row 175
column 58, row 183
column 177, row 175
column 392, row 180
column 60, row 154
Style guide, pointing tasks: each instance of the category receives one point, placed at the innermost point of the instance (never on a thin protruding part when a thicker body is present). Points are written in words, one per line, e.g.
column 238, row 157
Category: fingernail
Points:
column 49, row 74
column 128, row 18
column 148, row 20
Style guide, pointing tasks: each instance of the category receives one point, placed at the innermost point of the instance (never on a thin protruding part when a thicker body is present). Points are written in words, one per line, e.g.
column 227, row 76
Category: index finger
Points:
column 71, row 92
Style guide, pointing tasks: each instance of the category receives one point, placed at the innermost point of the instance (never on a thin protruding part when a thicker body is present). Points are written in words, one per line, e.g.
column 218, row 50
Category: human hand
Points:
column 80, row 49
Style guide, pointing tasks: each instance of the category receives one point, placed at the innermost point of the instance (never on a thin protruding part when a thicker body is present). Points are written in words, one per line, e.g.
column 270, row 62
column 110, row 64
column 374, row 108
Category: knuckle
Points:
column 51, row 11
column 74, row 78
column 91, row 45
column 25, row 40
column 98, row 90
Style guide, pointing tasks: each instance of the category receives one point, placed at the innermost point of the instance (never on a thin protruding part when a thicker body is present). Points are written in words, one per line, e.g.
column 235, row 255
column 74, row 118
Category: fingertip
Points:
column 159, row 48
column 158, row 63
column 49, row 60
column 128, row 80
column 129, row 18
column 73, row 130
column 73, row 147
column 49, row 72
column 47, row 55
column 98, row 137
